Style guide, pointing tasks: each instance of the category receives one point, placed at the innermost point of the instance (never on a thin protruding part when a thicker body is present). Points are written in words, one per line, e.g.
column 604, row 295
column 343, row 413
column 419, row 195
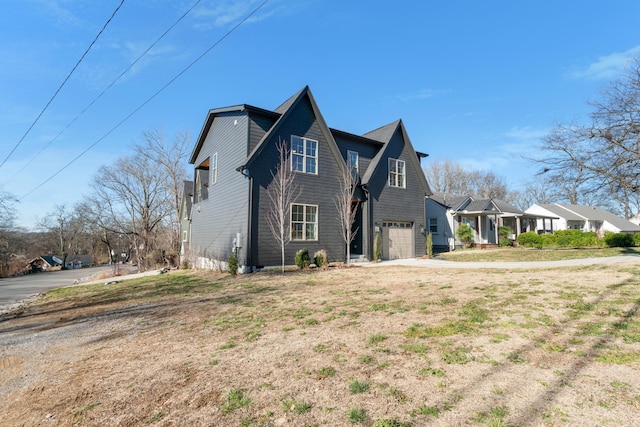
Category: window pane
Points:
column 311, row 232
column 297, row 145
column 296, row 162
column 400, row 166
column 392, row 180
column 311, row 214
column 311, row 165
column 311, row 148
column 296, row 231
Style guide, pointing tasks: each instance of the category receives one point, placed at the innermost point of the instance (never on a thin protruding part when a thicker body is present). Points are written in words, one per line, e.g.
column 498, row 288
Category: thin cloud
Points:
column 229, row 12
column 420, row 95
column 607, row 67
column 526, row 133
column 55, row 9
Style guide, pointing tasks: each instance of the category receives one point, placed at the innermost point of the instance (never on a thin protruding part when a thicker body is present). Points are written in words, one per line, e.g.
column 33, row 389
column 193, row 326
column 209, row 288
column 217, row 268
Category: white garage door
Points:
column 397, row 240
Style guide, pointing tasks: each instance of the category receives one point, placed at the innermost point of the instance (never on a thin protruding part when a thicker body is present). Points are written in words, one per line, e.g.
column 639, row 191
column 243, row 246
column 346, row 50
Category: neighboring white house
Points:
column 446, row 212
column 577, row 217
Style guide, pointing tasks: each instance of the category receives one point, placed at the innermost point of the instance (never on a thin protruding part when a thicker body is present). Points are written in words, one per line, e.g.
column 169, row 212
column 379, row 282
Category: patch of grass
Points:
column 426, row 410
column 619, row 357
column 366, row 358
column 320, row 348
column 521, row 254
column 297, row 407
column 516, row 357
column 398, row 395
column 356, row 387
column 155, row 417
column 390, row 422
column 419, row 330
column 235, row 399
column 473, row 312
column 499, row 337
column 619, row 384
column 228, row 345
column 357, row 416
column 458, row 355
column 438, row 373
column 415, row 347
column 495, row 417
column 376, row 338
column 326, row 372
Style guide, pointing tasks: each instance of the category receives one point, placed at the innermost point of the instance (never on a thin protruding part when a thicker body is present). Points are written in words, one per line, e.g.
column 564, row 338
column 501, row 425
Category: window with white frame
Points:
column 352, row 162
column 201, row 185
column 184, row 236
column 433, row 225
column 304, row 222
column 397, row 174
column 304, row 155
column 214, row 168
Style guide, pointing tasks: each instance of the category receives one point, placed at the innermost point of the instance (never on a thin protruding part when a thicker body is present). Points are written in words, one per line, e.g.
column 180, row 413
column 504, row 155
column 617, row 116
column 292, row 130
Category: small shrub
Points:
column 233, row 263
column 530, row 239
column 321, row 259
column 390, row 422
column 465, row 234
column 185, row 265
column 429, row 245
column 618, row 240
column 568, row 238
column 636, row 239
column 548, row 240
column 377, row 252
column 302, row 258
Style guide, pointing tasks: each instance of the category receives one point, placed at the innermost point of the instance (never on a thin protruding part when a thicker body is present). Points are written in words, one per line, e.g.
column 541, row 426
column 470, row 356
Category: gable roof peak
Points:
column 384, row 133
column 286, row 104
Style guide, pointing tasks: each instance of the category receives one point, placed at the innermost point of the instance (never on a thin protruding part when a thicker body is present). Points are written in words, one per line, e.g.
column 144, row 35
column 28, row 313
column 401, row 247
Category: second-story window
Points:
column 304, row 155
column 214, row 168
column 397, row 173
column 352, row 163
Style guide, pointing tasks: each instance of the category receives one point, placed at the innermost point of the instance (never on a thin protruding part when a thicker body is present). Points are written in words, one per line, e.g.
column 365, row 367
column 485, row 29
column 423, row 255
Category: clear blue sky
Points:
column 475, row 82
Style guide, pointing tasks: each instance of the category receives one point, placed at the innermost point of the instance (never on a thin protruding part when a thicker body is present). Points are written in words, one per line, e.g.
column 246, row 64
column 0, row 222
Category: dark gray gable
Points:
column 385, row 135
column 209, row 121
column 291, row 105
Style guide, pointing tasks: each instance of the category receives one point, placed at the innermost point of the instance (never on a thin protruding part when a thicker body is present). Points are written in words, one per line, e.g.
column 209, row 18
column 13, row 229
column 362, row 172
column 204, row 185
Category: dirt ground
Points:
column 394, row 346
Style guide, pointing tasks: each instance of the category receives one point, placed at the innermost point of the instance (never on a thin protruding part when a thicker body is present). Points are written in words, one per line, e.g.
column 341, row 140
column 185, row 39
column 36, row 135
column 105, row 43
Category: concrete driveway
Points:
column 438, row 263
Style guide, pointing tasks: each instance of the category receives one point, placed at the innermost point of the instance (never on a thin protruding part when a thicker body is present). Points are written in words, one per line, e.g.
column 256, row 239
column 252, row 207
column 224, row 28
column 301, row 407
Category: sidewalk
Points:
column 438, row 263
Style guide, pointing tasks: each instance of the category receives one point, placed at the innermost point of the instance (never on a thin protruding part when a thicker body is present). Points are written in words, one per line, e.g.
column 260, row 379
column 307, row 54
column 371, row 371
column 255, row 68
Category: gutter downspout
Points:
column 245, row 172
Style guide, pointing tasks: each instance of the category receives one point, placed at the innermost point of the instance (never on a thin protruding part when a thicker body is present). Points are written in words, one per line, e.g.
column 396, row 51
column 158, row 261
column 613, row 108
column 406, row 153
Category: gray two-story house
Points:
column 235, row 156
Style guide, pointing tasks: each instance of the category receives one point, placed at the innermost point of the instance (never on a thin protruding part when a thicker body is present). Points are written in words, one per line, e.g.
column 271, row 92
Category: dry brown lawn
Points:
column 373, row 347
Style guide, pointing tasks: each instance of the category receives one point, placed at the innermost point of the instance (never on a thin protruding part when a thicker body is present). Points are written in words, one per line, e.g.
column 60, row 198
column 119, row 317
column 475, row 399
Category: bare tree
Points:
column 347, row 206
column 602, row 155
column 451, row 177
column 7, row 217
column 133, row 196
column 171, row 156
column 282, row 191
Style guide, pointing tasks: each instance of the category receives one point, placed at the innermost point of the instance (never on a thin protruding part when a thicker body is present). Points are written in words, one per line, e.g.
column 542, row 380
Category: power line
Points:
column 63, row 83
column 128, row 116
column 106, row 89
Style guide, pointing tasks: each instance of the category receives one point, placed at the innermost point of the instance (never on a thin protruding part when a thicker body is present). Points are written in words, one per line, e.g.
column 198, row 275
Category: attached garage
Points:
column 397, row 240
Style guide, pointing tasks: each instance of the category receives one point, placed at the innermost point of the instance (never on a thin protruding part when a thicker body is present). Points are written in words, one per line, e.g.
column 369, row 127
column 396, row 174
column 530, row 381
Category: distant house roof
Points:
column 561, row 212
column 594, row 213
column 469, row 204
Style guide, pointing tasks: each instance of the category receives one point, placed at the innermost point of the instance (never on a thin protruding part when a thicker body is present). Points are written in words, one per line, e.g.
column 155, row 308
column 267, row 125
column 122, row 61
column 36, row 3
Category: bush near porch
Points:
column 577, row 239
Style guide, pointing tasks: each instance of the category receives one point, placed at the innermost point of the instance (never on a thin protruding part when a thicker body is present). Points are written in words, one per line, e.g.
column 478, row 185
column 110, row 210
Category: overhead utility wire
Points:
column 106, row 89
column 63, row 83
column 121, row 122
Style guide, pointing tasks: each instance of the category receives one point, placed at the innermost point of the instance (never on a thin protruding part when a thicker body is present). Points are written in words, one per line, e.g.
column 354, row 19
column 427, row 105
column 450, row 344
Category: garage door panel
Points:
column 397, row 240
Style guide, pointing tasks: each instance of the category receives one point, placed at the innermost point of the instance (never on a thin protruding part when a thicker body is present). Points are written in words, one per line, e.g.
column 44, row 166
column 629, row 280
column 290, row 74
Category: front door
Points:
column 356, row 243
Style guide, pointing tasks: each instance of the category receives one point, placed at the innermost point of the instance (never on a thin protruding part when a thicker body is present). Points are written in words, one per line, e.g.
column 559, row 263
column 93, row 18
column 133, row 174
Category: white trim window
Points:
column 352, row 162
column 304, row 222
column 433, row 225
column 214, row 168
column 397, row 173
column 304, row 155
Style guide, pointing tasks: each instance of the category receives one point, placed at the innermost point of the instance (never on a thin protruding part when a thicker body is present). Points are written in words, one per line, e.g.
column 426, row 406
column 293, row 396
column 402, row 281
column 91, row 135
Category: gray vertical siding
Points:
column 316, row 190
column 217, row 219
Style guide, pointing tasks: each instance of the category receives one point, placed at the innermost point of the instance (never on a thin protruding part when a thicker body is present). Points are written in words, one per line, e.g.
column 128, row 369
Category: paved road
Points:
column 438, row 263
column 15, row 289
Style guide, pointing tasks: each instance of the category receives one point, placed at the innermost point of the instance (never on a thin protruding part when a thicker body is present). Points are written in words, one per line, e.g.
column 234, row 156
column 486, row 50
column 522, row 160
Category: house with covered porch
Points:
column 445, row 213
